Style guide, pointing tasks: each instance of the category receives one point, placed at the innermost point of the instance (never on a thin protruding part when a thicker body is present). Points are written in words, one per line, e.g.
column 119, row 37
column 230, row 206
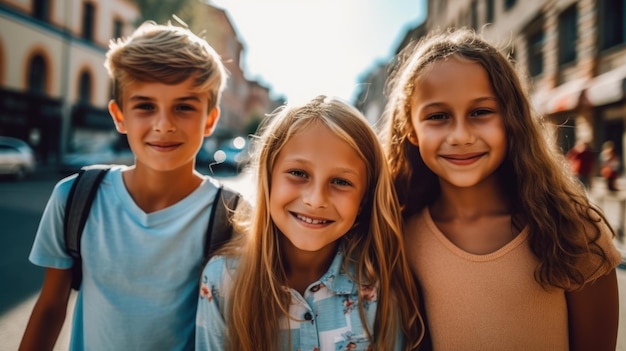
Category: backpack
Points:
column 81, row 197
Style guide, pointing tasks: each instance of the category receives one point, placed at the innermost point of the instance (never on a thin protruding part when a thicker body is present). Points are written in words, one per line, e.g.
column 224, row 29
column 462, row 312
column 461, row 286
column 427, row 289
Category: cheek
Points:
column 280, row 194
column 498, row 137
column 349, row 206
column 427, row 140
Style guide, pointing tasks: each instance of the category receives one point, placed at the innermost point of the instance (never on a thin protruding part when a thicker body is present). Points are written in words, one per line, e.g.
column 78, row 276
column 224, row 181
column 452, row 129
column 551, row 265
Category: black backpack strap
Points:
column 220, row 228
column 77, row 209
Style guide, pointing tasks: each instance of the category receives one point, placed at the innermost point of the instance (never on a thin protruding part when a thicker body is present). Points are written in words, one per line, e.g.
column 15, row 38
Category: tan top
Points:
column 492, row 301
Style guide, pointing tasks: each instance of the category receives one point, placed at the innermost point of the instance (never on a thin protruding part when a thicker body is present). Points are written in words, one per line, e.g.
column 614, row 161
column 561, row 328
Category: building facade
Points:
column 54, row 88
column 572, row 53
column 53, row 84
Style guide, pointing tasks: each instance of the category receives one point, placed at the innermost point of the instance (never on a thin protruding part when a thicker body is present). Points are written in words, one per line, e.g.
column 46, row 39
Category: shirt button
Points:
column 308, row 316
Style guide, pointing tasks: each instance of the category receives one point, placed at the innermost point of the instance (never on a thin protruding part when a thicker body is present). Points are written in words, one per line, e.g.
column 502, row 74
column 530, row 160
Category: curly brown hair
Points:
column 541, row 191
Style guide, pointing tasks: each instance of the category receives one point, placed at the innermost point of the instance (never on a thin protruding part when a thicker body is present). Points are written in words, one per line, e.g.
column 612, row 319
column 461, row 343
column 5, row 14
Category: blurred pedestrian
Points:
column 508, row 249
column 610, row 165
column 582, row 158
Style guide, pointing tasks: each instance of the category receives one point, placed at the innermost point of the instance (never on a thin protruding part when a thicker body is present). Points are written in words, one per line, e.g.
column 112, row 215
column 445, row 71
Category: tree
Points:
column 162, row 11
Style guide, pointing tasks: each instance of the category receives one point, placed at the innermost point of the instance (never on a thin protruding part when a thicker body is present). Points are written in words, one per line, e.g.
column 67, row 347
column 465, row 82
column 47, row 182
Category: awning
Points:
column 565, row 97
column 608, row 87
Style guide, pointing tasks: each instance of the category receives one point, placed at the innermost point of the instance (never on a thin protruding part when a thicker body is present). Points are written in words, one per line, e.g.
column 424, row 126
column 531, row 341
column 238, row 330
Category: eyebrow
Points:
column 180, row 99
column 480, row 99
column 339, row 170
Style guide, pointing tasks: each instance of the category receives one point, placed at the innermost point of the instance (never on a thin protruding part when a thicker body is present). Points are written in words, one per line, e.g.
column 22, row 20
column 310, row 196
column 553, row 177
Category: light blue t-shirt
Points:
column 140, row 270
column 326, row 318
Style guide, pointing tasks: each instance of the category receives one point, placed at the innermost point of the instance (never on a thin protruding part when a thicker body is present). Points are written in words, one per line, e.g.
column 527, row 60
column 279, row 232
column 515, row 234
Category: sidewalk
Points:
column 13, row 323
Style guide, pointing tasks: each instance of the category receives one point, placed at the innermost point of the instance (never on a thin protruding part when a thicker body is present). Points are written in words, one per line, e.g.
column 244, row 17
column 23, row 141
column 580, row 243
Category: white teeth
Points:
column 310, row 220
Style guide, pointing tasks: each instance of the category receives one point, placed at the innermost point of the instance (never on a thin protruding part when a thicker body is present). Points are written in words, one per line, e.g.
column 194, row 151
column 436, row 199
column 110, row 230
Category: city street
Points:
column 21, row 204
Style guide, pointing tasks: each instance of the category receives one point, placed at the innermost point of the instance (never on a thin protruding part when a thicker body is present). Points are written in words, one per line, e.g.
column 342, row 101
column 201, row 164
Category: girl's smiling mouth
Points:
column 309, row 220
column 463, row 159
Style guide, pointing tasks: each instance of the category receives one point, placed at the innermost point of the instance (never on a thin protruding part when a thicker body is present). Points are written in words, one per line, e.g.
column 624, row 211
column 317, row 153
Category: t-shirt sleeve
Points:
column 48, row 248
column 210, row 323
column 594, row 266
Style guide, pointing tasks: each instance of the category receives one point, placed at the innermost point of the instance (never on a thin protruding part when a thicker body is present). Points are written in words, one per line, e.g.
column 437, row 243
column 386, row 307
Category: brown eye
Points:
column 481, row 112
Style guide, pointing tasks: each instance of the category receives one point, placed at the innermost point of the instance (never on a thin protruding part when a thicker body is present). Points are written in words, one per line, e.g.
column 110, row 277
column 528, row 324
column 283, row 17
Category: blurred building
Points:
column 572, row 53
column 53, row 85
column 54, row 88
column 244, row 101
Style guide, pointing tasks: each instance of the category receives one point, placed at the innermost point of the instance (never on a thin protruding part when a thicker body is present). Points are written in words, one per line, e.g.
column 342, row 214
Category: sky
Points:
column 302, row 48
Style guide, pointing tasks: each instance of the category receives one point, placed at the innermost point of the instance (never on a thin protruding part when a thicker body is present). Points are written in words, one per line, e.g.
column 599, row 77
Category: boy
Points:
column 142, row 245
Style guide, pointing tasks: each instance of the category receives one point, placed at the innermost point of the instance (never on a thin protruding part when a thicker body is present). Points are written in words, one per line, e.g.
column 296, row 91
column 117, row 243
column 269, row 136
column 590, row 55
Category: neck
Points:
column 486, row 198
column 153, row 190
column 305, row 267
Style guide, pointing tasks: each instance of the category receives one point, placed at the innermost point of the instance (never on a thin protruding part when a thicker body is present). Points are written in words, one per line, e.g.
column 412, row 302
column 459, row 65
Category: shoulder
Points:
column 216, row 280
column 113, row 172
column 603, row 254
column 61, row 191
column 217, row 268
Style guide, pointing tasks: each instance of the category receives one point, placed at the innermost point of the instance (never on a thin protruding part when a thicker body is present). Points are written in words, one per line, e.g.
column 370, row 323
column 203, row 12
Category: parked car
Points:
column 17, row 158
column 73, row 161
column 231, row 155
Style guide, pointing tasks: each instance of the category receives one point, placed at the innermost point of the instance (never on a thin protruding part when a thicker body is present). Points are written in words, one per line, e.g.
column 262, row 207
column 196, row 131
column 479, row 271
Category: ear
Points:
column 413, row 138
column 211, row 121
column 118, row 117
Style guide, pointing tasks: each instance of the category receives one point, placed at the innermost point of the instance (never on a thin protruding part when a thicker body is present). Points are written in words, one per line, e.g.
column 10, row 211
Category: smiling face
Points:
column 457, row 123
column 165, row 124
column 317, row 184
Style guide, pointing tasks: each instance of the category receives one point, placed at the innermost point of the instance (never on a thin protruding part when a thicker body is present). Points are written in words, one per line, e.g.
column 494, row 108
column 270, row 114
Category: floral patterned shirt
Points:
column 326, row 318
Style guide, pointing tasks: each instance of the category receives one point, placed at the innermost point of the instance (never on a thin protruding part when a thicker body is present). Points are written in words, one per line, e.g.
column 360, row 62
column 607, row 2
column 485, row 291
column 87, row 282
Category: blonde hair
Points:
column 374, row 245
column 168, row 54
column 542, row 192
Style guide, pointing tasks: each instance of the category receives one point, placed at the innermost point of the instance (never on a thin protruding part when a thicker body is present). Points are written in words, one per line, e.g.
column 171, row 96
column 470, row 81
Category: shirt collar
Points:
column 336, row 279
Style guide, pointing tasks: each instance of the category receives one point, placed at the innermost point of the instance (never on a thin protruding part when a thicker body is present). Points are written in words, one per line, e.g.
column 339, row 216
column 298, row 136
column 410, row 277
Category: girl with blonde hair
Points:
column 320, row 264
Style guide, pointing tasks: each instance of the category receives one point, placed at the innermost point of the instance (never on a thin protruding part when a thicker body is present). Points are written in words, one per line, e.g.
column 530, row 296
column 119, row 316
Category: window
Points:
column 513, row 56
column 84, row 88
column 111, row 90
column 508, row 4
column 535, row 53
column 568, row 35
column 88, row 19
column 37, row 75
column 41, row 9
column 443, row 5
column 474, row 15
column 118, row 27
column 612, row 23
column 489, row 15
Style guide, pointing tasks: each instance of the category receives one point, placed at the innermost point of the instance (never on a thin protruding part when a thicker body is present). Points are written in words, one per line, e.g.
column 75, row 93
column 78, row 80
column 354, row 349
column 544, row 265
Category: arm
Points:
column 49, row 312
column 594, row 314
column 210, row 325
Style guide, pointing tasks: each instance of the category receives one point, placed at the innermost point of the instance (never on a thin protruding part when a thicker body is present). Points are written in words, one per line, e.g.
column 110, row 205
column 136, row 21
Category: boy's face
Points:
column 165, row 124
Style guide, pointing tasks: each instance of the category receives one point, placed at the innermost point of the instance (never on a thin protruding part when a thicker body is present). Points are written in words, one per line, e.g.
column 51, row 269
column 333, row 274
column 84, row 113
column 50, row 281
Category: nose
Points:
column 164, row 123
column 316, row 196
column 461, row 133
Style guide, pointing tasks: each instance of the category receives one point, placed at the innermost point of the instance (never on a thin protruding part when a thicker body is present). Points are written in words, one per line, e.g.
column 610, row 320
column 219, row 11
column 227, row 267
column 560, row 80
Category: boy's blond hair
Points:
column 167, row 54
